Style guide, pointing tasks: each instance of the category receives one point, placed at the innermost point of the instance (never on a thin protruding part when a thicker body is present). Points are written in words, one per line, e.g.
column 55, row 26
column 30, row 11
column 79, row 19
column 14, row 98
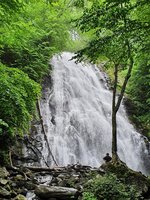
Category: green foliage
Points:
column 88, row 196
column 18, row 94
column 4, row 157
column 114, row 30
column 33, row 36
column 31, row 33
column 138, row 89
column 139, row 93
column 7, row 8
column 79, row 3
column 121, row 34
column 2, row 126
column 109, row 187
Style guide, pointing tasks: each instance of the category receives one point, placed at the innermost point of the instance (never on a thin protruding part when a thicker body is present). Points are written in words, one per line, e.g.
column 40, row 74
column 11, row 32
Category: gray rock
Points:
column 4, row 192
column 29, row 185
column 20, row 197
column 55, row 192
column 3, row 172
column 62, row 176
column 13, row 184
column 3, row 181
column 19, row 177
column 59, row 180
column 63, row 183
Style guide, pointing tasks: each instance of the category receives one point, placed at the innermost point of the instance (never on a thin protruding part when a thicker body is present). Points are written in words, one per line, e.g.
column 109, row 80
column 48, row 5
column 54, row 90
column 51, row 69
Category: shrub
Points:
column 18, row 94
column 109, row 187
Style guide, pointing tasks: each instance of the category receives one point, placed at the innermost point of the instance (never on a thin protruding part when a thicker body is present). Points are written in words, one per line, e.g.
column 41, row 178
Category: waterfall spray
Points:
column 76, row 113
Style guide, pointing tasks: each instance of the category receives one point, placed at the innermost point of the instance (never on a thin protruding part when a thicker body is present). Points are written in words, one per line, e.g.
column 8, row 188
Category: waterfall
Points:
column 76, row 111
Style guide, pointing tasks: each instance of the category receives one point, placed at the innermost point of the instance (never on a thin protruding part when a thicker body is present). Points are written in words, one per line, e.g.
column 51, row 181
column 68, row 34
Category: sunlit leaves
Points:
column 114, row 20
column 18, row 96
column 34, row 35
column 31, row 32
column 9, row 8
column 121, row 32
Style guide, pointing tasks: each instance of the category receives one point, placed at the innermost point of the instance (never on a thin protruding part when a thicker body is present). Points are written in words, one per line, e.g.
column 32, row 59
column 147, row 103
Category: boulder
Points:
column 20, row 197
column 19, row 177
column 3, row 181
column 129, row 176
column 4, row 193
column 46, row 192
column 3, row 172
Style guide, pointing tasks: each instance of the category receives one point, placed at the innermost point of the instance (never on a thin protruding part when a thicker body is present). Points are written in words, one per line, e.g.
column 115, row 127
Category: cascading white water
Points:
column 76, row 113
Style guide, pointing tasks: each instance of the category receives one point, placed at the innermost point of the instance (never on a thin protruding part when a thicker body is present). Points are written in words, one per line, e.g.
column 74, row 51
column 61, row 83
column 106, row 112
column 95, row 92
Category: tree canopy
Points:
column 120, row 35
column 18, row 97
column 31, row 33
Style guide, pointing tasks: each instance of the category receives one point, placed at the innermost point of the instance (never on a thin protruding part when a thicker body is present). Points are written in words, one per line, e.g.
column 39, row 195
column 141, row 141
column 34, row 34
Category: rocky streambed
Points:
column 63, row 183
column 33, row 183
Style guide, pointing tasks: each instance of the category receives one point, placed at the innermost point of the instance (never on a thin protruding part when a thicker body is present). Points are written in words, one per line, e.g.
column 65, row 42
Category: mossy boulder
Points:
column 3, row 181
column 4, row 192
column 127, row 175
column 20, row 197
column 3, row 172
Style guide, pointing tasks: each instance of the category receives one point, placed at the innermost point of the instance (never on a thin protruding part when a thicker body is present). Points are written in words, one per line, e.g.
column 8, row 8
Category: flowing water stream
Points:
column 76, row 111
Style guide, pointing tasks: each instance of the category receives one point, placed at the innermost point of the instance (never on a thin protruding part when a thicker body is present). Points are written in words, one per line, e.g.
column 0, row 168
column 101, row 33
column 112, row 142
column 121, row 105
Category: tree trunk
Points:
column 114, row 122
column 115, row 106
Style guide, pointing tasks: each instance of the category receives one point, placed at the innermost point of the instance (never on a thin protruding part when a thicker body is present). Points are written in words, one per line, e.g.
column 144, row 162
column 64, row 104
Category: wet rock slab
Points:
column 46, row 192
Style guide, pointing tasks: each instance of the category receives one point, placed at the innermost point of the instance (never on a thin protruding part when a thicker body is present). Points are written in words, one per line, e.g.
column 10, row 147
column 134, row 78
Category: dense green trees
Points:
column 118, row 35
column 32, row 36
column 139, row 93
column 18, row 95
column 31, row 33
column 139, row 85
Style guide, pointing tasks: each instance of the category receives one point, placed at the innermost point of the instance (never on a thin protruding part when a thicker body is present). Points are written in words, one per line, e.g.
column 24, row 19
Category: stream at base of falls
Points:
column 76, row 112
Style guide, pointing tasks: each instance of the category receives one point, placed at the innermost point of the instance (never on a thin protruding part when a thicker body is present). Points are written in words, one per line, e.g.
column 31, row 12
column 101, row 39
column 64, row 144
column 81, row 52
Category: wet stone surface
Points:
column 62, row 183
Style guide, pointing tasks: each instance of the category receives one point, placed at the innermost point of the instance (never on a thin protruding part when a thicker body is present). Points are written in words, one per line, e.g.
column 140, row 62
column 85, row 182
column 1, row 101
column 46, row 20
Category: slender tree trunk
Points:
column 114, row 122
column 116, row 105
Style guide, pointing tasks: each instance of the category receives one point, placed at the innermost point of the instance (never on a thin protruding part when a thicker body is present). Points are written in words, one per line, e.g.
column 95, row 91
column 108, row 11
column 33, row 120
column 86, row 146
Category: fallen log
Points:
column 39, row 169
column 46, row 192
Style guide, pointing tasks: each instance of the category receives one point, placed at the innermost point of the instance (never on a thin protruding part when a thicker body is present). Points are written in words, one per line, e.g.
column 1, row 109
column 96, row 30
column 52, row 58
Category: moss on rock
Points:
column 127, row 175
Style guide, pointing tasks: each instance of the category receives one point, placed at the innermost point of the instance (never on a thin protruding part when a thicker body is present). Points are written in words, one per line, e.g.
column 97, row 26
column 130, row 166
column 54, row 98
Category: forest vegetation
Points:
column 116, row 32
column 31, row 33
column 122, row 37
